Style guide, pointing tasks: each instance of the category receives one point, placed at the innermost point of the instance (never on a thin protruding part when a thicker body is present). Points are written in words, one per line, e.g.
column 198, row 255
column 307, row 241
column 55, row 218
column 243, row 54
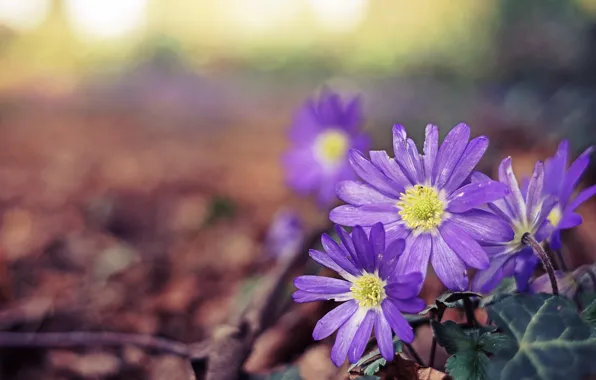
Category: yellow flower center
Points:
column 368, row 290
column 332, row 145
column 421, row 208
column 555, row 216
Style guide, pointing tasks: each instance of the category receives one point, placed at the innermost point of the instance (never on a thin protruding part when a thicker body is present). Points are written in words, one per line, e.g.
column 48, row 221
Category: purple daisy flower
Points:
column 420, row 198
column 568, row 285
column 525, row 213
column 559, row 182
column 374, row 295
column 285, row 234
column 322, row 134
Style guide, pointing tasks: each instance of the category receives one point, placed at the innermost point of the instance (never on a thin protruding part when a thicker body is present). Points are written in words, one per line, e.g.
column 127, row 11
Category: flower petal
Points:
column 344, row 337
column 404, row 291
column 573, row 175
column 361, row 337
column 334, row 319
column 384, row 336
column 396, row 230
column 365, row 215
column 415, row 256
column 352, row 114
column 377, row 242
column 321, row 284
column 583, row 196
column 555, row 169
column 389, row 258
column 346, row 243
column 363, row 249
column 411, row 306
column 485, row 281
column 475, row 194
column 396, row 320
column 371, row 174
column 469, row 159
column 406, row 154
column 431, row 146
column 461, row 243
column 570, row 220
column 514, row 199
column 448, row 266
column 339, row 256
column 484, row 226
column 390, row 168
column 449, row 154
column 535, row 188
column 525, row 264
column 325, row 259
column 358, row 193
column 301, row 296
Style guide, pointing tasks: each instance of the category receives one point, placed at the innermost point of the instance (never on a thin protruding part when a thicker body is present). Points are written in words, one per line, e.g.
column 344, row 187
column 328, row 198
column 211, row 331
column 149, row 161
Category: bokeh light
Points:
column 106, row 18
column 23, row 15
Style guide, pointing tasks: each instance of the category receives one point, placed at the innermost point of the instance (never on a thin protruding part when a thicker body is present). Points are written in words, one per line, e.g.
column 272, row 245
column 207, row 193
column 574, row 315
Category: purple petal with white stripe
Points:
column 476, row 194
column 334, row 319
column 344, row 338
column 361, row 337
column 358, row 193
column 468, row 161
column 465, row 246
column 449, row 153
column 396, row 320
column 450, row 269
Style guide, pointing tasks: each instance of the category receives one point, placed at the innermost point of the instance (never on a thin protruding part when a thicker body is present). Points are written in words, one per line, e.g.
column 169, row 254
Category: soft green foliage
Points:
column 468, row 348
column 449, row 299
column 372, row 362
column 288, row 373
column 589, row 314
column 551, row 340
column 505, row 288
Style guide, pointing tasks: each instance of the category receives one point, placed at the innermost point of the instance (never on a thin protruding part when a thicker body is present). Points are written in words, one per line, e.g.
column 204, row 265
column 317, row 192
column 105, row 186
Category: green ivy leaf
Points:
column 368, row 377
column 450, row 300
column 452, row 337
column 551, row 340
column 505, row 288
column 373, row 361
column 469, row 348
column 375, row 366
column 589, row 314
column 468, row 365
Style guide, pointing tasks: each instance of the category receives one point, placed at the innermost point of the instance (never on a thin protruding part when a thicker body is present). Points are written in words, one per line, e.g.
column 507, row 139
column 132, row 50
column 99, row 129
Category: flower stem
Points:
column 433, row 349
column 528, row 239
column 414, row 354
column 469, row 308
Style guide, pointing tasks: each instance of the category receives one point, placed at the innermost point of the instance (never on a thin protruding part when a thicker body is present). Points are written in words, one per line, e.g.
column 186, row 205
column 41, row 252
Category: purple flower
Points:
column 568, row 285
column 322, row 133
column 374, row 295
column 420, row 198
column 525, row 213
column 559, row 182
column 285, row 234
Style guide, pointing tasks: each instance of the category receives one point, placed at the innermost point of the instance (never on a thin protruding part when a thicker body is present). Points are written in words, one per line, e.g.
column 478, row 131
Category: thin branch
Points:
column 232, row 343
column 414, row 353
column 90, row 338
column 433, row 349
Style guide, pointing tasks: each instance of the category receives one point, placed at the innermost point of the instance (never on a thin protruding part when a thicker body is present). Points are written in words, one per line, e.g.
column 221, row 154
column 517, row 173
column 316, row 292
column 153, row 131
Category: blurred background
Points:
column 140, row 144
